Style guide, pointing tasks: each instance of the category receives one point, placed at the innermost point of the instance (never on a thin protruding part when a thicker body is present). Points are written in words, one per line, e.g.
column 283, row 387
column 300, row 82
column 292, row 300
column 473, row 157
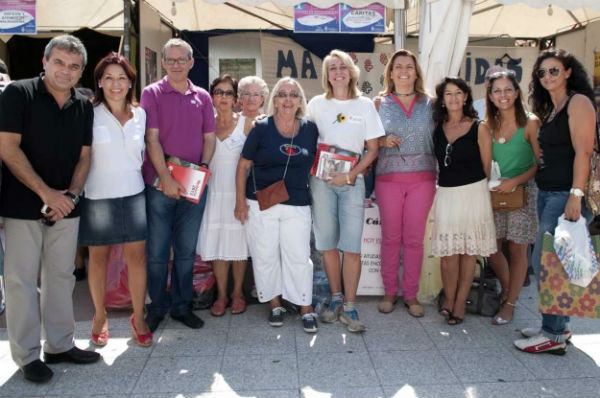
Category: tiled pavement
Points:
column 398, row 356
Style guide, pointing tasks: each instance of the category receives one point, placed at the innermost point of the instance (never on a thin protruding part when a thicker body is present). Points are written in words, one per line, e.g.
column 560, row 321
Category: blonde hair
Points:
column 388, row 82
column 301, row 111
column 353, row 91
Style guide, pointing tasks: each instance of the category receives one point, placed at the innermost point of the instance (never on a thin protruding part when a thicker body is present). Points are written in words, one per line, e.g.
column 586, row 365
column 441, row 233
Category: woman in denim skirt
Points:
column 113, row 207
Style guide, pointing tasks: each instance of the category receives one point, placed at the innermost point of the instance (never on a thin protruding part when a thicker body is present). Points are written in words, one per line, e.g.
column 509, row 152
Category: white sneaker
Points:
column 540, row 344
column 530, row 332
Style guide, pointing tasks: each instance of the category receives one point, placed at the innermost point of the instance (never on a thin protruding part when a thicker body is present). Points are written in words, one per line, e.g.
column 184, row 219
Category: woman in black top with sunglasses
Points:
column 562, row 97
column 464, row 223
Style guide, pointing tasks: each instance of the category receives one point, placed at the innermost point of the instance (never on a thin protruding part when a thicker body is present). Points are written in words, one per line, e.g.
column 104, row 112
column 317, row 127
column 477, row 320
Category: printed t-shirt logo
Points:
column 292, row 150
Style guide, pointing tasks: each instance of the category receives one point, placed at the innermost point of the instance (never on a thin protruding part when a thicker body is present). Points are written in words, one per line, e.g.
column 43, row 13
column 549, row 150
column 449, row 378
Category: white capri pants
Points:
column 279, row 243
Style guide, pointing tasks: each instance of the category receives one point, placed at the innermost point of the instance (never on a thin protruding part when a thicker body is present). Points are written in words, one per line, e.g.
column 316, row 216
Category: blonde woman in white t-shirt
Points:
column 113, row 208
column 350, row 122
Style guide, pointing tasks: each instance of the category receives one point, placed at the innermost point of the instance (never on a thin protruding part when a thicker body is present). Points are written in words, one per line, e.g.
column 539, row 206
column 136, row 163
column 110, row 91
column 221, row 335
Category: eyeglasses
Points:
column 251, row 95
column 291, row 94
column 447, row 158
column 173, row 61
column 223, row 93
column 554, row 71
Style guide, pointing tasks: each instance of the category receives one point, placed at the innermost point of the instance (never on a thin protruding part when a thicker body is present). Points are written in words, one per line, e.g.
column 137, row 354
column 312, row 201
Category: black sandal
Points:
column 454, row 320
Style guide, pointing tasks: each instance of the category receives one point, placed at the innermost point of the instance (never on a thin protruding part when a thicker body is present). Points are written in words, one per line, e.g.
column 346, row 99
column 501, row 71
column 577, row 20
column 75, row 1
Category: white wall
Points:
column 237, row 45
column 153, row 34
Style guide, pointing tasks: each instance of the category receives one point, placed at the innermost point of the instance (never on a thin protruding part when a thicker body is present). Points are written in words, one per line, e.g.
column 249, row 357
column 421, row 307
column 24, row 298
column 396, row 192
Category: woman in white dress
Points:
column 222, row 237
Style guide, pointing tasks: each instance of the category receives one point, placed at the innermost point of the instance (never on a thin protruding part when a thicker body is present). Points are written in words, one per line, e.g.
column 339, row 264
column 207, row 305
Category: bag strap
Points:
column 481, row 287
column 286, row 164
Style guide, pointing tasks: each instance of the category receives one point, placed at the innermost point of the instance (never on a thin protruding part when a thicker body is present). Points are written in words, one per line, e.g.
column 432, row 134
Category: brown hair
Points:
column 388, row 82
column 113, row 59
column 492, row 112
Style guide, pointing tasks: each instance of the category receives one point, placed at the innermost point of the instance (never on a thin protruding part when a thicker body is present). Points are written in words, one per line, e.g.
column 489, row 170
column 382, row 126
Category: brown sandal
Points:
column 218, row 307
column 238, row 305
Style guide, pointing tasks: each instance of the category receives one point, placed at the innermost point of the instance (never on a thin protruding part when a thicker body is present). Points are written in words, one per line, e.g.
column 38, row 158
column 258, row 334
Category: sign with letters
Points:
column 340, row 18
column 18, row 17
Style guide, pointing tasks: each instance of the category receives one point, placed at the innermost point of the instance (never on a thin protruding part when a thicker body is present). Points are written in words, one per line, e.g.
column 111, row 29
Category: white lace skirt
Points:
column 464, row 221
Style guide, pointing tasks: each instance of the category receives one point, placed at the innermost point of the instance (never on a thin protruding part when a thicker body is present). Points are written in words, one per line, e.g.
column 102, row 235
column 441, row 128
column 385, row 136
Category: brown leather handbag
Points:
column 512, row 201
column 275, row 193
column 272, row 195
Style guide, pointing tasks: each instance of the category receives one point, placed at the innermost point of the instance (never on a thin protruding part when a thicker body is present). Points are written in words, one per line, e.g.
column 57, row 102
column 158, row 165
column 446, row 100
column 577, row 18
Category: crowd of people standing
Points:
column 85, row 171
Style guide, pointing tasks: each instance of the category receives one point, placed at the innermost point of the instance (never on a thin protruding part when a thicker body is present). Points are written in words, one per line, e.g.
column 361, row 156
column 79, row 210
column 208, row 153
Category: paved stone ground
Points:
column 399, row 356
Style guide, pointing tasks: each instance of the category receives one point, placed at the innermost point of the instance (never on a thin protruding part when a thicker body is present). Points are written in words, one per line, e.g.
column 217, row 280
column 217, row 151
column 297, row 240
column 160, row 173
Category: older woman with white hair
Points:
column 349, row 122
column 252, row 94
column 278, row 153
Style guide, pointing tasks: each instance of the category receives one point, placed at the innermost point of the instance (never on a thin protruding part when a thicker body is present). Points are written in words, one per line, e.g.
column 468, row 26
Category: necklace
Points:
column 404, row 95
column 557, row 108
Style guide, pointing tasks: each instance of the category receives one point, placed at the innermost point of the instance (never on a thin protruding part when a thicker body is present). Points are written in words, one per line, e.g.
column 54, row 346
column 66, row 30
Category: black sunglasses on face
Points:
column 226, row 93
column 554, row 71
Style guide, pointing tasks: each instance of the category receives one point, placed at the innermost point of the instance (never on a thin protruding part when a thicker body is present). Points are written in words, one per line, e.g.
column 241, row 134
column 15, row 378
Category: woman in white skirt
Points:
column 222, row 237
column 464, row 222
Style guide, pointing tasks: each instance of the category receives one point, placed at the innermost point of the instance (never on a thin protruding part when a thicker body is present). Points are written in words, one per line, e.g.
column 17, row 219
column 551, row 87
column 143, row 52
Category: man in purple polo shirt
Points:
column 179, row 122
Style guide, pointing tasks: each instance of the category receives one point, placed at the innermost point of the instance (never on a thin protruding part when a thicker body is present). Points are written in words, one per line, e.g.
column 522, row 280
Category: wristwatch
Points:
column 205, row 165
column 576, row 192
column 73, row 197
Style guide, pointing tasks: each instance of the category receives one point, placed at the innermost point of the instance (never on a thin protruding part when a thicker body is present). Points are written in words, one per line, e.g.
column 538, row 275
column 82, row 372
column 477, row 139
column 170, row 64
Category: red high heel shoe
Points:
column 144, row 340
column 100, row 339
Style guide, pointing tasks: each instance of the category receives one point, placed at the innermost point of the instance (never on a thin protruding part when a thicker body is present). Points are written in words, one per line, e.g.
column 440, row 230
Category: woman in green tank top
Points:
column 514, row 148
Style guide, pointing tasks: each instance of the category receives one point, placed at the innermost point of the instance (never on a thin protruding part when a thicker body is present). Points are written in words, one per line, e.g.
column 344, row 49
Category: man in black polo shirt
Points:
column 45, row 138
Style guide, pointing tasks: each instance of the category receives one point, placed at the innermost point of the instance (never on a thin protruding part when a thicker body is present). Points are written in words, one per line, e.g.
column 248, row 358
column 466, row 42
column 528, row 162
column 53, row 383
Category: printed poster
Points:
column 369, row 19
column 151, row 66
column 340, row 18
column 18, row 17
column 311, row 19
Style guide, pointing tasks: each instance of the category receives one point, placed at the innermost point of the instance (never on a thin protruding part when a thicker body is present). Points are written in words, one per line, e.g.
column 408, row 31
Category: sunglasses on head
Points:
column 554, row 71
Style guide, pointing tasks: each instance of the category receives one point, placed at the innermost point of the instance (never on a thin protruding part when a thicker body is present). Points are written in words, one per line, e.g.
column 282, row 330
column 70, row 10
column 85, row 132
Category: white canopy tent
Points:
column 446, row 25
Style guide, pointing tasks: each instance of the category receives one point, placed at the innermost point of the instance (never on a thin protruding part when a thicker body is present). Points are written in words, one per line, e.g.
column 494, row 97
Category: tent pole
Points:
column 399, row 28
column 126, row 29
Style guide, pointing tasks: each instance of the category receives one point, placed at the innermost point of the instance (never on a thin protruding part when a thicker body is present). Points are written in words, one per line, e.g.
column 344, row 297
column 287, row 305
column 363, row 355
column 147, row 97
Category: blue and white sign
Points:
column 369, row 19
column 18, row 16
column 311, row 19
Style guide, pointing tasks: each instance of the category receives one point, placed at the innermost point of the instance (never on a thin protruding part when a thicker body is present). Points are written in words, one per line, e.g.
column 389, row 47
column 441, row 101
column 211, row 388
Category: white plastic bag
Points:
column 494, row 176
column 573, row 246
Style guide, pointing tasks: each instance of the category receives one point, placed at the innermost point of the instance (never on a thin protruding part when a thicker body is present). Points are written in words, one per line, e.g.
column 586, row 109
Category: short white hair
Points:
column 177, row 43
column 244, row 82
column 301, row 111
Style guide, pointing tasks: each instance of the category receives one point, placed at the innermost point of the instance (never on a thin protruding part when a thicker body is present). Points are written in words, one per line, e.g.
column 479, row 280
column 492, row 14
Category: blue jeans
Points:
column 171, row 222
column 550, row 206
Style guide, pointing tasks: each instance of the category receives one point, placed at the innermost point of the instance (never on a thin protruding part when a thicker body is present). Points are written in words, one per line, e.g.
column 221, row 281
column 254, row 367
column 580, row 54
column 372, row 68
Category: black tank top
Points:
column 464, row 160
column 555, row 168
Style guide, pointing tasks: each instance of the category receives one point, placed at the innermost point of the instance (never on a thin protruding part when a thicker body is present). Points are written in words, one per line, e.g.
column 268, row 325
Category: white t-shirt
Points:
column 345, row 124
column 116, row 166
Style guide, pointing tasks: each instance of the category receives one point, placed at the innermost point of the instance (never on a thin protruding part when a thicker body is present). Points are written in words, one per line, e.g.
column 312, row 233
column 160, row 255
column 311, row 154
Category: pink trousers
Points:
column 403, row 206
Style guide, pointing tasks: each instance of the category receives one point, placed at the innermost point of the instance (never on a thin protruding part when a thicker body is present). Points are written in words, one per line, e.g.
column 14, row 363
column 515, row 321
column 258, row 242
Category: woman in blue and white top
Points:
column 114, row 208
column 348, row 121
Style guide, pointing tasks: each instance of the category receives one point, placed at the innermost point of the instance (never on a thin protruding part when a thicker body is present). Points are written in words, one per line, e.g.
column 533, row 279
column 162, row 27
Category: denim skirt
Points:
column 113, row 221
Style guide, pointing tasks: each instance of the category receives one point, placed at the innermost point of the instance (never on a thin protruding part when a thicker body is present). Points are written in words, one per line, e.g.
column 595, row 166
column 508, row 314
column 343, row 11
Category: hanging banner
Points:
column 369, row 19
column 371, row 66
column 311, row 19
column 340, row 18
column 282, row 57
column 18, row 17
